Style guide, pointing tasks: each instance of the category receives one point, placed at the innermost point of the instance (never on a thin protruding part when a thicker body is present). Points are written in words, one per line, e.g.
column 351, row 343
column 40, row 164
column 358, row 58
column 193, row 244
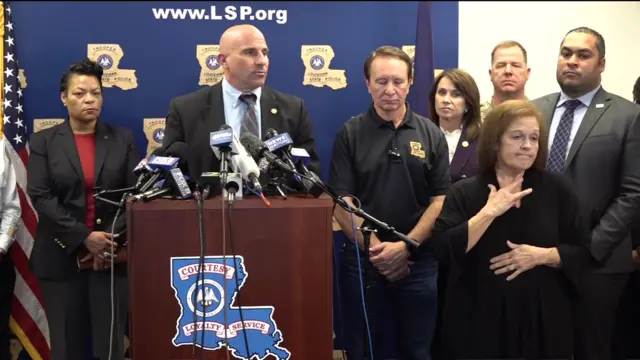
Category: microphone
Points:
column 144, row 172
column 300, row 158
column 280, row 144
column 141, row 170
column 151, row 194
column 176, row 178
column 258, row 150
column 221, row 142
column 245, row 163
column 231, row 190
column 159, row 165
column 174, row 184
column 300, row 155
column 167, row 166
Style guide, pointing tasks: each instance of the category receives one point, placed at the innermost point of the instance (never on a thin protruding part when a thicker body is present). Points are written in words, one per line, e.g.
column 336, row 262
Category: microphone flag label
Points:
column 209, row 300
column 221, row 138
column 278, row 141
column 164, row 162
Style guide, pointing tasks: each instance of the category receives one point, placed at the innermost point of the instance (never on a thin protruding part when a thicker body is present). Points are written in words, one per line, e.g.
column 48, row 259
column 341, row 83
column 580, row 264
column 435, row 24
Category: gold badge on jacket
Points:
column 416, row 149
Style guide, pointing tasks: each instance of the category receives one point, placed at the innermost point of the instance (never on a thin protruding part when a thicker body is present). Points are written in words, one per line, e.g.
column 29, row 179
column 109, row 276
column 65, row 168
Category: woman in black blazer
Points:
column 455, row 107
column 71, row 254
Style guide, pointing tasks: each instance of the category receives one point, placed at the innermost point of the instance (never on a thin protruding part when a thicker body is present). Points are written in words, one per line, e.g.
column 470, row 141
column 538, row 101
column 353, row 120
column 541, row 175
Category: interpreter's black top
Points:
column 529, row 317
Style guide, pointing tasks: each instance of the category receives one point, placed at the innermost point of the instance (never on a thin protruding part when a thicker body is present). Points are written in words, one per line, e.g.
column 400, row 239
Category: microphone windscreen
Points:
column 252, row 144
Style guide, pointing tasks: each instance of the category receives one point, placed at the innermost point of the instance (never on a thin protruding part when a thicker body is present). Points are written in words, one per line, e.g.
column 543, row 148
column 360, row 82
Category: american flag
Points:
column 28, row 321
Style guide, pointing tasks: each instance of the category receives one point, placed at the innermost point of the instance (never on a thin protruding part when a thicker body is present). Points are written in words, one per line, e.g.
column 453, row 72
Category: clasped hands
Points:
column 99, row 244
column 390, row 258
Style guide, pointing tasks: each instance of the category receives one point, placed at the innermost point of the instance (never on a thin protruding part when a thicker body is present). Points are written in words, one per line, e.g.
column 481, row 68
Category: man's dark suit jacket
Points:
column 55, row 184
column 465, row 160
column 604, row 166
column 194, row 116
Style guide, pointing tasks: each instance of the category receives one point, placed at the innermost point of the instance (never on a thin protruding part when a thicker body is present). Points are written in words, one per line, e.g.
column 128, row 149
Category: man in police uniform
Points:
column 509, row 74
column 396, row 163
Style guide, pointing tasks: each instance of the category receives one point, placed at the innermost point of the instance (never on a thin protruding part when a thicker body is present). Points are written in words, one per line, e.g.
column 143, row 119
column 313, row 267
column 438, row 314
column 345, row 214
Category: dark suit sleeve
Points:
column 574, row 234
column 132, row 158
column 450, row 234
column 342, row 175
column 440, row 175
column 65, row 227
column 173, row 131
column 306, row 140
column 615, row 224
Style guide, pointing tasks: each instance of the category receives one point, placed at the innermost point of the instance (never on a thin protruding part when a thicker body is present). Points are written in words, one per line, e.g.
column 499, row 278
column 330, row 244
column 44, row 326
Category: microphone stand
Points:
column 279, row 190
column 357, row 210
column 126, row 192
column 201, row 275
column 224, row 166
column 366, row 231
column 277, row 183
column 120, row 207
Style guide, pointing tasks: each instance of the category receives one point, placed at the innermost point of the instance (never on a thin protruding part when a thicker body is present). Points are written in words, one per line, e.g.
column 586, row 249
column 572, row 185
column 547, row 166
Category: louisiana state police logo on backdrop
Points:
column 209, row 300
column 317, row 62
column 158, row 135
column 212, row 62
column 105, row 61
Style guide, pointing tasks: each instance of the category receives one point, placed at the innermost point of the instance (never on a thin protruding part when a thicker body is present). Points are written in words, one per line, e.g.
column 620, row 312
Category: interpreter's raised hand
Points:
column 500, row 201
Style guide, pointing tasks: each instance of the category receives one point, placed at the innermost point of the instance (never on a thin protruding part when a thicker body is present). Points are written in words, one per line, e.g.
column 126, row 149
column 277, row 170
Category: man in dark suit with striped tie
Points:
column 594, row 139
column 241, row 100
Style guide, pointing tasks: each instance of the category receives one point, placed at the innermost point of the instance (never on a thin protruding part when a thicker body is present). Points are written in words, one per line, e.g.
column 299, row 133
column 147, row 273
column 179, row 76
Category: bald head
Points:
column 238, row 35
column 244, row 57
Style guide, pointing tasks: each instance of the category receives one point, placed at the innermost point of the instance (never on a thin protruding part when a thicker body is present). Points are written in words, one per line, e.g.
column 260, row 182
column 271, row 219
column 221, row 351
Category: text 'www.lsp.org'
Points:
column 242, row 13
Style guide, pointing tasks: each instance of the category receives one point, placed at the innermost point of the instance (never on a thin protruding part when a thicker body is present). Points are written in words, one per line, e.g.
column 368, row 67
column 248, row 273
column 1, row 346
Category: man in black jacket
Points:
column 240, row 100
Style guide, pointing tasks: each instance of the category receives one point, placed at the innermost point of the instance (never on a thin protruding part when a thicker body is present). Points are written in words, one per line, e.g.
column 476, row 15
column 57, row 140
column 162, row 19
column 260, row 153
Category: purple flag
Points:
column 424, row 68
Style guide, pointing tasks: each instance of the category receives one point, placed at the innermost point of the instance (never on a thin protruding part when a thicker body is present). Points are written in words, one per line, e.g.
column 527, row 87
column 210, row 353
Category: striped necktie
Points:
column 249, row 121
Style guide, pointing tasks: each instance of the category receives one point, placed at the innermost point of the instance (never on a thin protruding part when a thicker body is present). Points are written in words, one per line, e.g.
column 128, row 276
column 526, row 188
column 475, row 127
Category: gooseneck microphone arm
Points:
column 357, row 210
column 125, row 193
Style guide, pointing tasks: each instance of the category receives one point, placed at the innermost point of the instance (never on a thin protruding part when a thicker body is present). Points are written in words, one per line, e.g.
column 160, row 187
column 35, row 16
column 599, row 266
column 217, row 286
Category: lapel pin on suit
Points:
column 274, row 111
column 598, row 106
column 465, row 143
column 106, row 137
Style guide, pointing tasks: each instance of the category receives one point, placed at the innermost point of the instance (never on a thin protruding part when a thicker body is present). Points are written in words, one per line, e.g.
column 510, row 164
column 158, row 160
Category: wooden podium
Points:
column 286, row 254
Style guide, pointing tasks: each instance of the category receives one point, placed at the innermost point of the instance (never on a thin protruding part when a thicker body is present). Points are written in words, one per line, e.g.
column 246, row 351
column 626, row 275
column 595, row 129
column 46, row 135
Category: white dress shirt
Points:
column 578, row 115
column 234, row 108
column 10, row 211
column 452, row 140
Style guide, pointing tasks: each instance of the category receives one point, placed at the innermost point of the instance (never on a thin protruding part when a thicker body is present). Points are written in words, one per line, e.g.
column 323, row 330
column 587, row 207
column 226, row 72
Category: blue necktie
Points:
column 559, row 148
column 249, row 121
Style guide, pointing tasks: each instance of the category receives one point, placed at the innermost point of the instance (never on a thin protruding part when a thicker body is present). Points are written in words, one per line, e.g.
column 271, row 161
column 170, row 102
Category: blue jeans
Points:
column 411, row 302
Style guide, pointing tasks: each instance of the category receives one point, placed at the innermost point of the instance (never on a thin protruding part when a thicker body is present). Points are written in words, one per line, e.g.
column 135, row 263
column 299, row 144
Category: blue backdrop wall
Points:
column 52, row 35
